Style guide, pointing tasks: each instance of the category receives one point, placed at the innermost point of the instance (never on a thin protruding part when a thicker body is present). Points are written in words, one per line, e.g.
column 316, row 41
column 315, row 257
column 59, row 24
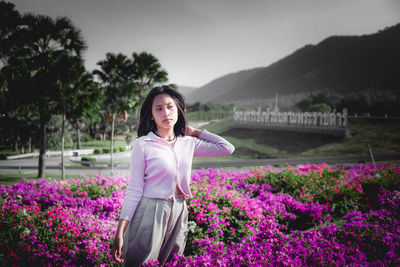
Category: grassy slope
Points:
column 383, row 135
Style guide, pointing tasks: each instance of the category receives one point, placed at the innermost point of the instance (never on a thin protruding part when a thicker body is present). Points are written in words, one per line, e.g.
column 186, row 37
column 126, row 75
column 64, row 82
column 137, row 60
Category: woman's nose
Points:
column 165, row 112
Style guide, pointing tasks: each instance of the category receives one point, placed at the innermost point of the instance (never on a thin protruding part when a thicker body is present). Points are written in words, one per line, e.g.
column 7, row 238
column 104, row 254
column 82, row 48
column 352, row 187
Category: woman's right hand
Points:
column 116, row 250
column 191, row 131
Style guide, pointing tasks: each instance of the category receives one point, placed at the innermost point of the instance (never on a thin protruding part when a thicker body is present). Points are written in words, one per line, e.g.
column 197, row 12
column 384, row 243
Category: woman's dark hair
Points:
column 146, row 124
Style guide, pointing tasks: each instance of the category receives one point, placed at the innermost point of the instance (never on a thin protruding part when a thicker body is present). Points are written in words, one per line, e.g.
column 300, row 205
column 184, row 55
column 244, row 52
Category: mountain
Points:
column 220, row 86
column 338, row 63
column 186, row 90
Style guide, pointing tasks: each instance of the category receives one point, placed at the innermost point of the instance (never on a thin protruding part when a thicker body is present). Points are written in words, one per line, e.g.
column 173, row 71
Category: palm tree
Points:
column 120, row 89
column 9, row 22
column 78, row 94
column 147, row 72
column 37, row 51
column 86, row 105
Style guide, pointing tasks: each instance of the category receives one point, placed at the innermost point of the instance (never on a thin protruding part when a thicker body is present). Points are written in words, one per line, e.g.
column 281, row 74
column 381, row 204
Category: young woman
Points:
column 153, row 219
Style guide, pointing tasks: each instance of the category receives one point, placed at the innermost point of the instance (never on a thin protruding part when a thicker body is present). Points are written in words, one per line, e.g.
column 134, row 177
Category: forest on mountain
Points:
column 361, row 70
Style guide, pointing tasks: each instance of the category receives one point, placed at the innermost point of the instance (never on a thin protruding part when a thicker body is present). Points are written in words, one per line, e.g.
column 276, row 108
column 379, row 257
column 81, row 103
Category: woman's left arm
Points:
column 209, row 144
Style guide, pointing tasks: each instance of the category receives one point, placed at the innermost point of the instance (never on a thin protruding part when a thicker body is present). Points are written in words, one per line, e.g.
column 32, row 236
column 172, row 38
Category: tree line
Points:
column 371, row 101
column 42, row 74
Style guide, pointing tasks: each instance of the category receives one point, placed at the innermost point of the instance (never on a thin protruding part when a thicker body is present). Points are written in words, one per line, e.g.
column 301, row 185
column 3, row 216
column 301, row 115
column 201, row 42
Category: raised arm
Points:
column 209, row 144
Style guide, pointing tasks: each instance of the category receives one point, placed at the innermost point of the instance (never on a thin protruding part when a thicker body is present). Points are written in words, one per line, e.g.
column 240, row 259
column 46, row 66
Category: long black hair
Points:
column 146, row 124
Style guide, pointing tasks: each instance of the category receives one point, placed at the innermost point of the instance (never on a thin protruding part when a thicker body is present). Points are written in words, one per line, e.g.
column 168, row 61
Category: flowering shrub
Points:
column 56, row 223
column 303, row 215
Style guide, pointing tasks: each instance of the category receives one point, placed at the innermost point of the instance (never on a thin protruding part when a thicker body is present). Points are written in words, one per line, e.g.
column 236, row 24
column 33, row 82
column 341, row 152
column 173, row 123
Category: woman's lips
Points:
column 167, row 120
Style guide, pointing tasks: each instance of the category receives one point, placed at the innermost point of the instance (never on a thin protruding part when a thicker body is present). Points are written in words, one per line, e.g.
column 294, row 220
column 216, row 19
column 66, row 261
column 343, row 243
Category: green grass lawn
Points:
column 382, row 135
column 220, row 126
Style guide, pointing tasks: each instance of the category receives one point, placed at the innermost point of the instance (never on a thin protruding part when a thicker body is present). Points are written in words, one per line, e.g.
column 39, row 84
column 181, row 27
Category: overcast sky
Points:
column 197, row 41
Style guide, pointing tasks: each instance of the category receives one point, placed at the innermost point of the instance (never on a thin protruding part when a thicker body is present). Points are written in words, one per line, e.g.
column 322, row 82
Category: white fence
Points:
column 317, row 122
column 314, row 119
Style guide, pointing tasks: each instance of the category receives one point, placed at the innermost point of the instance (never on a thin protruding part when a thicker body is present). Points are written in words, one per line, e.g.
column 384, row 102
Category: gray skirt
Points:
column 157, row 230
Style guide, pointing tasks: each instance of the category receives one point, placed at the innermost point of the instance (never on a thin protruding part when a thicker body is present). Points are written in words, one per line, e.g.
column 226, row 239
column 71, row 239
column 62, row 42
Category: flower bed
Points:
column 303, row 215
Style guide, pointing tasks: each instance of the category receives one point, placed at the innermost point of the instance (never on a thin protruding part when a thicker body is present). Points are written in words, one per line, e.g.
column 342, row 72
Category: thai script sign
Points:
column 301, row 119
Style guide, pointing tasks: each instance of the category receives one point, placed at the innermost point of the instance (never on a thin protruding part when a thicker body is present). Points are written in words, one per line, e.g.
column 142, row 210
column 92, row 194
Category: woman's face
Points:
column 164, row 111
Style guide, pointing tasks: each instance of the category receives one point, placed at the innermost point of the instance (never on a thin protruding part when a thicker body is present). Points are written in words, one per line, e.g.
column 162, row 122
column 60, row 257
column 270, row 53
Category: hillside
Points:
column 382, row 135
column 220, row 86
column 338, row 63
column 186, row 90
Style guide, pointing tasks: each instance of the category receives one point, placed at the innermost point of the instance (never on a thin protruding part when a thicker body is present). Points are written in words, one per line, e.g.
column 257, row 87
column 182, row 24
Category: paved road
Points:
column 53, row 164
